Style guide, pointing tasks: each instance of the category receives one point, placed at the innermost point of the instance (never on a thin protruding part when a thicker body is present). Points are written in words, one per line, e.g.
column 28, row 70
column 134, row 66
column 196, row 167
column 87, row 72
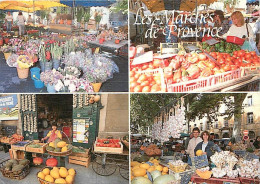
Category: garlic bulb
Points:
column 224, row 158
column 177, row 162
column 232, row 173
column 218, row 172
column 249, row 169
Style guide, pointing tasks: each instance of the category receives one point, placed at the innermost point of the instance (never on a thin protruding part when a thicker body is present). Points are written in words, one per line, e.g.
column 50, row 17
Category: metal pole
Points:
column 196, row 19
column 33, row 14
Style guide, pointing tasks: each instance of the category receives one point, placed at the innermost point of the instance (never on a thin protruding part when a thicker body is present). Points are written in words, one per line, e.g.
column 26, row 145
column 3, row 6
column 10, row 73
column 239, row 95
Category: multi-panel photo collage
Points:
column 129, row 91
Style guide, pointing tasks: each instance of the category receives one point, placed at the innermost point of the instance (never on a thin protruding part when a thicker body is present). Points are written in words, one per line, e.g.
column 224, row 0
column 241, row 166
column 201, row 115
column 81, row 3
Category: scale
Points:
column 169, row 48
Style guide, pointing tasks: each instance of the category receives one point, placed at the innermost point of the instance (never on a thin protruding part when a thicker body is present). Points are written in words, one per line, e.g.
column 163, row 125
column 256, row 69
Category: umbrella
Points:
column 183, row 5
column 29, row 5
column 87, row 3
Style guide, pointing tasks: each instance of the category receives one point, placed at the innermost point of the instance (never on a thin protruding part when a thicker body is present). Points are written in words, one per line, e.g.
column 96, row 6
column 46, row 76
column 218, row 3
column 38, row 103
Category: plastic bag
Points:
column 12, row 60
column 250, row 45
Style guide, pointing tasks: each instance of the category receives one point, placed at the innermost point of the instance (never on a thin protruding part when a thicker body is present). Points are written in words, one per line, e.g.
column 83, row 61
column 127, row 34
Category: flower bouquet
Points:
column 70, row 70
column 7, row 50
column 24, row 62
column 12, row 60
column 56, row 53
column 50, row 79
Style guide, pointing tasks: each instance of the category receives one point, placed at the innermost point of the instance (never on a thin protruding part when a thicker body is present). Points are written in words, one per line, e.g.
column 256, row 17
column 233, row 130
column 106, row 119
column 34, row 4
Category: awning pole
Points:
column 33, row 14
column 196, row 19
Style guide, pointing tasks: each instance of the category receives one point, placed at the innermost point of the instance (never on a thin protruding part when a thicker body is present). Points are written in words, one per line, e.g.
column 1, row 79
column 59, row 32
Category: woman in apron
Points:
column 53, row 134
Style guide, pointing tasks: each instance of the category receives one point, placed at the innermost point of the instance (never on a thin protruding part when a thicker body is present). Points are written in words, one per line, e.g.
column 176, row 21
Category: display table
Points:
column 196, row 179
column 110, row 45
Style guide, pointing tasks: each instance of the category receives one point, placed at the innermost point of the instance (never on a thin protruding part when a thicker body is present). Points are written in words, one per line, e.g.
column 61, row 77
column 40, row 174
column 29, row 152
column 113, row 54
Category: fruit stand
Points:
column 108, row 155
column 205, row 68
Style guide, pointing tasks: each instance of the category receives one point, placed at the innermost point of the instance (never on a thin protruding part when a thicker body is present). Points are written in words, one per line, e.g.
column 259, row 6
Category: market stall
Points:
column 75, row 121
column 186, row 52
column 57, row 60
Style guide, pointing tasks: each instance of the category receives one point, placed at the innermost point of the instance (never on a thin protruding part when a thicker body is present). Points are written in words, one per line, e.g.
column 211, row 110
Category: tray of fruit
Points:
column 53, row 175
column 113, row 146
column 20, row 145
column 36, row 147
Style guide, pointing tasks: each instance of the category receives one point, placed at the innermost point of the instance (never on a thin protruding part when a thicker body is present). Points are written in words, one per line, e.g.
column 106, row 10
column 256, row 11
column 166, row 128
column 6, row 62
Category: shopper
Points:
column 53, row 134
column 257, row 142
column 171, row 35
column 239, row 28
column 9, row 22
column 21, row 23
column 206, row 146
column 220, row 21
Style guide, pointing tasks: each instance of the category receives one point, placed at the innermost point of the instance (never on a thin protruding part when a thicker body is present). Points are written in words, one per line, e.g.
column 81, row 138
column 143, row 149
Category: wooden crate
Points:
column 86, row 154
column 37, row 150
column 108, row 149
column 79, row 160
column 22, row 148
column 16, row 154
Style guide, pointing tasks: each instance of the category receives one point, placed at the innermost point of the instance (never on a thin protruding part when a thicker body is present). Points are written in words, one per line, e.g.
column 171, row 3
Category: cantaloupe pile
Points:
column 140, row 169
column 58, row 175
column 58, row 146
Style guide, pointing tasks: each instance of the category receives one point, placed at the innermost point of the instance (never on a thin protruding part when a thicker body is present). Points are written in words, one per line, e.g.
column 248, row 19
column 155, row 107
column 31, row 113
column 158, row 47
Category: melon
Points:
column 159, row 168
column 49, row 178
column 165, row 169
column 41, row 175
column 199, row 153
column 155, row 174
column 63, row 173
column 141, row 180
column 46, row 171
column 55, row 174
column 71, row 172
column 139, row 172
column 61, row 144
column 69, row 179
column 164, row 179
column 60, row 180
column 145, row 166
column 134, row 163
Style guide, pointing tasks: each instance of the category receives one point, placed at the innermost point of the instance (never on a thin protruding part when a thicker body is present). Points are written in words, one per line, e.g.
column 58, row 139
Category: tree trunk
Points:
column 238, row 100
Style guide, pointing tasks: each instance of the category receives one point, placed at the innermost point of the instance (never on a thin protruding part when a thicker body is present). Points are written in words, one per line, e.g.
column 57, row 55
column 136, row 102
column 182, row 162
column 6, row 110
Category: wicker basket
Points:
column 61, row 154
column 18, row 175
column 178, row 169
column 46, row 182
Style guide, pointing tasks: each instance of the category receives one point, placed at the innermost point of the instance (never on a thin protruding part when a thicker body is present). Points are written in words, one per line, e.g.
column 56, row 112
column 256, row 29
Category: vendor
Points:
column 257, row 142
column 21, row 23
column 29, row 20
column 206, row 146
column 193, row 143
column 53, row 134
column 239, row 28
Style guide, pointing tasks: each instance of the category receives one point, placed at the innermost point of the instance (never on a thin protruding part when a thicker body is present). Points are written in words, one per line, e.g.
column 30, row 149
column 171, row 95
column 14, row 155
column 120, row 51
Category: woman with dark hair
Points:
column 257, row 142
column 53, row 134
column 206, row 146
column 21, row 23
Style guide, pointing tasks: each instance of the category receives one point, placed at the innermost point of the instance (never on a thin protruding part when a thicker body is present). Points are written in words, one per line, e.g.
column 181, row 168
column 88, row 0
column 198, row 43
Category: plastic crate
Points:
column 196, row 179
column 155, row 71
column 201, row 161
column 235, row 40
column 185, row 176
column 239, row 152
column 249, row 180
column 204, row 82
column 245, row 71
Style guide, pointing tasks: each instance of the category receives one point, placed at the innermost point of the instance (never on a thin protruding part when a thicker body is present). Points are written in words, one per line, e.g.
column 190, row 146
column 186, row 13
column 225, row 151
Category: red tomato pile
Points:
column 145, row 82
column 112, row 143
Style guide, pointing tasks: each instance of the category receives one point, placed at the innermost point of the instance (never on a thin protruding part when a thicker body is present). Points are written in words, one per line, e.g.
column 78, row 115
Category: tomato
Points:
column 144, row 83
column 235, row 53
column 138, row 89
column 131, row 73
column 137, row 75
column 213, row 54
column 133, row 84
column 205, row 72
column 145, row 66
column 193, row 59
column 234, row 67
column 156, row 63
column 142, row 78
column 155, row 88
column 202, row 64
column 168, row 72
column 241, row 53
column 253, row 53
column 211, row 64
column 132, row 79
column 227, row 68
column 146, row 89
column 185, row 64
column 202, row 57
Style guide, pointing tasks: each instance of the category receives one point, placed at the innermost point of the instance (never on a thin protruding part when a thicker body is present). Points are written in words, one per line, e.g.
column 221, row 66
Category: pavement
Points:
column 10, row 83
column 84, row 175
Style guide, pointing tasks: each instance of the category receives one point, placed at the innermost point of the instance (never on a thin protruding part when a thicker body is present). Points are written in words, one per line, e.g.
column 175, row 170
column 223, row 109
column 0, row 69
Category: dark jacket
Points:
column 257, row 144
column 207, row 149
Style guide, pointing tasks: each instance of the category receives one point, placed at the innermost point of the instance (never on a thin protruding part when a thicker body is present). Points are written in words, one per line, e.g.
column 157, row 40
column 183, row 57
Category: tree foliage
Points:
column 145, row 107
column 121, row 5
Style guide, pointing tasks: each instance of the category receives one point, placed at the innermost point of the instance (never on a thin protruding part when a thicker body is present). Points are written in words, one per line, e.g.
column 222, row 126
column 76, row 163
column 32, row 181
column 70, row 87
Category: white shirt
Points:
column 192, row 144
column 204, row 145
column 240, row 31
column 9, row 18
column 21, row 20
